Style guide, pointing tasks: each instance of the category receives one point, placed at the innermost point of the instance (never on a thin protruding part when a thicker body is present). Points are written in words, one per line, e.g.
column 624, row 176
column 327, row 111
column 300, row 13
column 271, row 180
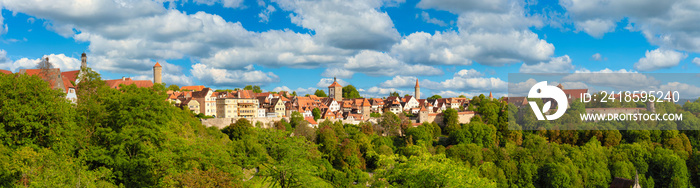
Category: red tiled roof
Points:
column 574, row 93
column 5, row 71
column 128, row 81
column 335, row 84
column 157, row 65
column 310, row 120
column 71, row 75
column 192, row 88
column 66, row 83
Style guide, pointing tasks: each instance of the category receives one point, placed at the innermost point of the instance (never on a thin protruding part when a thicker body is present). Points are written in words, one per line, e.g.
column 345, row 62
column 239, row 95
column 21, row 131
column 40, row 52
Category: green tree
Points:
column 428, row 171
column 349, row 92
column 450, row 120
column 435, row 97
column 462, row 96
column 238, row 130
column 394, row 94
column 316, row 113
column 254, row 88
column 173, row 87
column 320, row 93
column 390, row 123
column 295, row 119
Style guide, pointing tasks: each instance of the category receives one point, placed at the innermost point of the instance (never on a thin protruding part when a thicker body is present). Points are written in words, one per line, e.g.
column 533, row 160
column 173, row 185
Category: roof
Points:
column 128, row 81
column 574, row 93
column 518, row 101
column 66, row 83
column 365, row 102
column 417, row 83
column 157, row 65
column 5, row 71
column 311, row 120
column 71, row 75
column 335, row 84
column 621, row 182
column 192, row 88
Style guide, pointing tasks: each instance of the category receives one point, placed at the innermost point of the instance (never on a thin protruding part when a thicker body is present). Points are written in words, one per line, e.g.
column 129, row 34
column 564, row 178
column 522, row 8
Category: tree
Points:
column 394, row 94
column 390, row 123
column 435, row 97
column 173, row 87
column 295, row 119
column 428, row 170
column 349, row 92
column 255, row 89
column 316, row 113
column 450, row 119
column 462, row 96
column 238, row 130
column 320, row 93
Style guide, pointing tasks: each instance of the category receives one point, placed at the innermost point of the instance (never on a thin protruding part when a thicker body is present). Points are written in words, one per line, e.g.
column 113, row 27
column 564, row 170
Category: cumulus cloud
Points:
column 337, row 72
column 426, row 18
column 224, row 3
column 375, row 63
column 696, row 61
column 616, row 79
column 265, row 14
column 449, row 93
column 60, row 61
column 231, row 78
column 379, row 92
column 400, row 81
column 555, row 65
column 598, row 57
column 471, row 73
column 659, row 59
column 325, row 82
column 363, row 26
column 300, row 91
column 467, row 83
column 686, row 91
column 670, row 24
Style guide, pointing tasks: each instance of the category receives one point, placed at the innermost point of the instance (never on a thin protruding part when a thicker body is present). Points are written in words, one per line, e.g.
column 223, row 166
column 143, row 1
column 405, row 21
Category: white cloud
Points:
column 659, row 59
column 400, row 81
column 470, row 84
column 337, row 72
column 598, row 57
column 325, row 82
column 224, row 3
column 449, row 93
column 459, row 6
column 426, row 18
column 265, row 14
column 471, row 73
column 685, row 91
column 375, row 63
column 669, row 24
column 379, row 92
column 696, row 61
column 231, row 78
column 363, row 25
column 60, row 61
column 596, row 28
column 555, row 65
column 619, row 80
column 300, row 91
column 3, row 26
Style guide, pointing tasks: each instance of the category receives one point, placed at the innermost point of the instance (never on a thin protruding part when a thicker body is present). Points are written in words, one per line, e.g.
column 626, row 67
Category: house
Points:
column 312, row 122
column 332, row 105
column 377, row 105
column 192, row 88
column 56, row 79
column 190, row 104
column 238, row 104
column 207, row 101
column 409, row 103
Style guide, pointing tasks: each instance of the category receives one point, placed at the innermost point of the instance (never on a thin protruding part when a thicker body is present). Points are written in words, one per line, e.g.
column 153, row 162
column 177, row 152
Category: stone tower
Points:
column 335, row 91
column 157, row 74
column 83, row 59
column 417, row 89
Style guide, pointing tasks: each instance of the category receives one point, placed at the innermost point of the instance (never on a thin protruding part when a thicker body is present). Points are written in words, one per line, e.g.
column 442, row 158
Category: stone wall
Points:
column 223, row 122
column 462, row 117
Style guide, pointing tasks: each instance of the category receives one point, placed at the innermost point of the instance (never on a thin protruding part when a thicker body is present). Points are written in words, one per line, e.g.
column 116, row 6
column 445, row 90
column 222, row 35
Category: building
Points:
column 191, row 88
column 417, row 89
column 63, row 81
column 239, row 104
column 335, row 91
column 207, row 101
column 157, row 73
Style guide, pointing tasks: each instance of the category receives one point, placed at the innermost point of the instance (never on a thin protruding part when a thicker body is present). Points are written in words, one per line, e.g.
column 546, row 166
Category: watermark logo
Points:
column 541, row 91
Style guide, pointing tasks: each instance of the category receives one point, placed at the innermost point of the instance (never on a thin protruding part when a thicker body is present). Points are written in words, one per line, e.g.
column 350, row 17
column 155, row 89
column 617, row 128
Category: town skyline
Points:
column 464, row 48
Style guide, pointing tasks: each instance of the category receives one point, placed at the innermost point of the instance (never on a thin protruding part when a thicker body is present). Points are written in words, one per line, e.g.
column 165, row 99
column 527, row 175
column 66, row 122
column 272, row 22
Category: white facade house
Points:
column 262, row 112
column 334, row 106
column 411, row 102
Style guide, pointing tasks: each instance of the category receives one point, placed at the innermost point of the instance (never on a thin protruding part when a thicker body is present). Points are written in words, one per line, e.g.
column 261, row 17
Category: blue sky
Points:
column 453, row 47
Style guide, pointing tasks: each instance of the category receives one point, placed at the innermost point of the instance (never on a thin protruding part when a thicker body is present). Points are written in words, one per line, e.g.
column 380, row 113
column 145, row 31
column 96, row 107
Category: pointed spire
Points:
column 417, row 83
column 157, row 65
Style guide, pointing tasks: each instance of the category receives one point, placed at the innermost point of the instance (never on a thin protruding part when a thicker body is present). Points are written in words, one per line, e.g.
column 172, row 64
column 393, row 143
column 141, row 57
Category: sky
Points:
column 453, row 47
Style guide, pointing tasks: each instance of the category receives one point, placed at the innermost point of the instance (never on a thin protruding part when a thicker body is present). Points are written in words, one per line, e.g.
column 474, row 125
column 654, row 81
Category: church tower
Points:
column 335, row 91
column 83, row 59
column 157, row 74
column 417, row 89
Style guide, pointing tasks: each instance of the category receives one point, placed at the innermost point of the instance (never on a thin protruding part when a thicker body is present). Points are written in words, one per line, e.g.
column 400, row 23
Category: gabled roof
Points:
column 201, row 94
column 5, row 72
column 311, row 120
column 574, row 93
column 71, row 75
column 192, row 88
column 128, row 81
column 335, row 84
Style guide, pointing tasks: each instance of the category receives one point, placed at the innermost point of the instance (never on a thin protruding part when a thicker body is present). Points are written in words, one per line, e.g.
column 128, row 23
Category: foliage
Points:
column 349, row 92
column 320, row 93
column 173, row 87
column 435, row 97
column 316, row 113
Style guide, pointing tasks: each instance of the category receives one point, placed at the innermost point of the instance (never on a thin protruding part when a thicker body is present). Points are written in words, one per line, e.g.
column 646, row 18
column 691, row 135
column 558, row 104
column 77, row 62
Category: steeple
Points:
column 490, row 96
column 417, row 89
column 335, row 90
column 157, row 74
column 83, row 60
